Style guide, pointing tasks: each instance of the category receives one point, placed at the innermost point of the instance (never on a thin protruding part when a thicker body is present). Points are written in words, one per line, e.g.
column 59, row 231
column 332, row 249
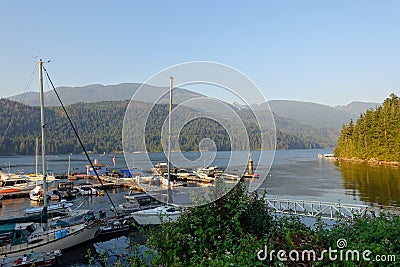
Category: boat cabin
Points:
column 101, row 169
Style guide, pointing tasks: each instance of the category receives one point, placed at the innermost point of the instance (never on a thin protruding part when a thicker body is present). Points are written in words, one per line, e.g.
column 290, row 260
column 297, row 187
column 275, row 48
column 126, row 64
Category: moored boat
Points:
column 157, row 215
column 66, row 190
column 113, row 227
column 45, row 259
column 23, row 238
column 36, row 194
column 9, row 181
column 87, row 190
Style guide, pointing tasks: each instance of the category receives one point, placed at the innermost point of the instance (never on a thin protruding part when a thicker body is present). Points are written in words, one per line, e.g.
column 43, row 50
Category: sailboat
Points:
column 166, row 212
column 37, row 177
column 24, row 238
column 36, row 194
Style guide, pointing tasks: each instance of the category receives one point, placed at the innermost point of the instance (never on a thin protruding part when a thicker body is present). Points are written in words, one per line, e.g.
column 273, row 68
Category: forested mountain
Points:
column 100, row 127
column 375, row 135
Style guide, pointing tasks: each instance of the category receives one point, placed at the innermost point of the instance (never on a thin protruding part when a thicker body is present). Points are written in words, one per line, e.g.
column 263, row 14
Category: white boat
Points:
column 172, row 183
column 11, row 180
column 330, row 156
column 157, row 215
column 87, row 190
column 24, row 238
column 204, row 175
column 33, row 237
column 39, row 178
column 36, row 194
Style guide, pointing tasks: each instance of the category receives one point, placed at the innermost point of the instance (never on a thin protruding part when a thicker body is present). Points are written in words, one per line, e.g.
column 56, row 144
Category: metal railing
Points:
column 316, row 209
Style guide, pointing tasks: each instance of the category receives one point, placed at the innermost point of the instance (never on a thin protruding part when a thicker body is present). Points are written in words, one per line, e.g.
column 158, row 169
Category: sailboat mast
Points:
column 40, row 65
column 37, row 156
column 169, row 138
column 69, row 165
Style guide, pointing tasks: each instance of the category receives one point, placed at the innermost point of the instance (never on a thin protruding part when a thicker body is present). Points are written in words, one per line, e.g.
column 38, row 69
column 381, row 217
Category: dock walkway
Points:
column 326, row 210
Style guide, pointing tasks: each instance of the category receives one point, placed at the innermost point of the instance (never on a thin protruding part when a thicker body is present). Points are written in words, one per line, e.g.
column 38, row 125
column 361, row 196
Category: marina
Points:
column 295, row 175
column 200, row 134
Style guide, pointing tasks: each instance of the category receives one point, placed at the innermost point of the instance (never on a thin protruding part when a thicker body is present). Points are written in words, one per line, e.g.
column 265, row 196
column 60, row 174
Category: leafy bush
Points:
column 234, row 229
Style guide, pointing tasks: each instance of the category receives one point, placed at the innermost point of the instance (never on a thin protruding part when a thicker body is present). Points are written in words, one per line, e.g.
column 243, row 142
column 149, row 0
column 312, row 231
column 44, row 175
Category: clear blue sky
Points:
column 329, row 52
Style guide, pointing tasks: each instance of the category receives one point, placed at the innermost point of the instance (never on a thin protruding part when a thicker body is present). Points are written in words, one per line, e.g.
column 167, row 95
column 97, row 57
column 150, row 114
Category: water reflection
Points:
column 372, row 184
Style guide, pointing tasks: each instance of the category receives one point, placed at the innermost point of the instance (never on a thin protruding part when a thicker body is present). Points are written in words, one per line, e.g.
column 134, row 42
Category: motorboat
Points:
column 113, row 227
column 158, row 215
column 36, row 194
column 87, row 190
column 9, row 181
column 67, row 190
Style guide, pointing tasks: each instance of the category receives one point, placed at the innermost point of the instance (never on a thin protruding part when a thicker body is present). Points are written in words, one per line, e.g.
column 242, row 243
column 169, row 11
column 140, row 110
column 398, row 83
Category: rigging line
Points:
column 80, row 141
column 23, row 96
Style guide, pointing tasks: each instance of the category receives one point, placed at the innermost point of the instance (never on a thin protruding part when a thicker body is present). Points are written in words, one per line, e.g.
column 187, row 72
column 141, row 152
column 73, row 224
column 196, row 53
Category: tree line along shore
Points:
column 375, row 137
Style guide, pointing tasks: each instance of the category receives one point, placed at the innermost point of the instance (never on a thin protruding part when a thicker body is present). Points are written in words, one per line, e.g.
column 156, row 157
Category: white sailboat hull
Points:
column 156, row 215
column 79, row 234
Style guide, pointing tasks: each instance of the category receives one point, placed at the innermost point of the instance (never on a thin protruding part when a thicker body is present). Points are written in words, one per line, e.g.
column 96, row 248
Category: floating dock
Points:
column 18, row 194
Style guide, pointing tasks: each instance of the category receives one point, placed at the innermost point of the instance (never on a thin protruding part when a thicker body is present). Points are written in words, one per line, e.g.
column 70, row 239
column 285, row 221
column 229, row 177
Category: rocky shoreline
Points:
column 372, row 161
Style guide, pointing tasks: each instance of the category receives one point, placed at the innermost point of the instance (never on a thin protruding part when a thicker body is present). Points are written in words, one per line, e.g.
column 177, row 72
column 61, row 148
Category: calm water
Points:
column 295, row 174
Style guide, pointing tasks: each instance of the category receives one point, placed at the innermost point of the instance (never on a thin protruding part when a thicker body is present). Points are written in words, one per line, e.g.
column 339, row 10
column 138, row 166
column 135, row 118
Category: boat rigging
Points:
column 79, row 139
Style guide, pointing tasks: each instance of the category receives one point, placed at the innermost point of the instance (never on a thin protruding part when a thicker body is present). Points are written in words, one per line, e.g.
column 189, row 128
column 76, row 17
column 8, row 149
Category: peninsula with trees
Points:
column 374, row 137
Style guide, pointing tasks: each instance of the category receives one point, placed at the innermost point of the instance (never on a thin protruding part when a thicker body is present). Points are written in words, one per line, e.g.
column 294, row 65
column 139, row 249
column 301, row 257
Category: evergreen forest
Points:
column 374, row 136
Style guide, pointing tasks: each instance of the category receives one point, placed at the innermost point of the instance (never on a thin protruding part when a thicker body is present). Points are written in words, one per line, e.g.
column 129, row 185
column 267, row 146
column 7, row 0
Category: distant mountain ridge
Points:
column 94, row 93
column 310, row 114
column 71, row 95
column 356, row 107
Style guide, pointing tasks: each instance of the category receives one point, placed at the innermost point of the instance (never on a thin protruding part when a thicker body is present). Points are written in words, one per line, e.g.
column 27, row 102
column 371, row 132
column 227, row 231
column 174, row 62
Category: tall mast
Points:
column 40, row 64
column 169, row 139
column 37, row 156
column 69, row 165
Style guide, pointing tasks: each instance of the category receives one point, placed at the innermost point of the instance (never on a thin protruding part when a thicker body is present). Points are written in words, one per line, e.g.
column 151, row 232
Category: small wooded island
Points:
column 375, row 137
